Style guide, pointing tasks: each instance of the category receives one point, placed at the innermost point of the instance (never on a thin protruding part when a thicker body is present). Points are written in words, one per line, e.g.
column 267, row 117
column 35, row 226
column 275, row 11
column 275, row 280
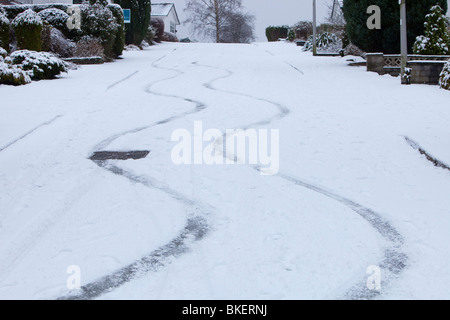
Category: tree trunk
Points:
column 216, row 10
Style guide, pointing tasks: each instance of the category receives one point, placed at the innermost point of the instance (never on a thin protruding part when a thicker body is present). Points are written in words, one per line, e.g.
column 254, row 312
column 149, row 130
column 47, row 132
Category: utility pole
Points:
column 314, row 29
column 403, row 39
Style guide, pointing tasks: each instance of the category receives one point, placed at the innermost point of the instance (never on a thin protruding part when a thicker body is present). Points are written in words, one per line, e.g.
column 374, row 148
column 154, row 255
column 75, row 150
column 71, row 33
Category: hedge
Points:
column 273, row 33
column 28, row 27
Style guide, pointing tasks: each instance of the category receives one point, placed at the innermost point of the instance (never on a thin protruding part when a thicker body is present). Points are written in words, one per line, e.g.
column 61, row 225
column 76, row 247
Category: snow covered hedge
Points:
column 444, row 80
column 28, row 27
column 38, row 65
column 4, row 31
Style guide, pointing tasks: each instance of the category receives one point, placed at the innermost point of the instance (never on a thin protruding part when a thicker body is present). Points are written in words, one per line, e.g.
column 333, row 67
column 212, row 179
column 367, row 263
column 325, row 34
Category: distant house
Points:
column 168, row 13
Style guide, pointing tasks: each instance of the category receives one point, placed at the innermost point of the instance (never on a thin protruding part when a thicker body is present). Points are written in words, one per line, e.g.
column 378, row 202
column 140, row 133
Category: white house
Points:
column 168, row 13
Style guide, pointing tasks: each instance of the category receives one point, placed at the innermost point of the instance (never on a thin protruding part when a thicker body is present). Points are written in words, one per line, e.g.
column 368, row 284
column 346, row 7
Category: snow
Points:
column 351, row 192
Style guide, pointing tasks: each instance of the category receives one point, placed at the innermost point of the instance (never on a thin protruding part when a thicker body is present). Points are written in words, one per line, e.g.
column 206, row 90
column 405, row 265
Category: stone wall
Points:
column 425, row 68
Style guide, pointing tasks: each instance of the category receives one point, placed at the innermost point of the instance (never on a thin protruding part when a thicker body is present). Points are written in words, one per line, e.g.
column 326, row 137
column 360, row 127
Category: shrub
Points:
column 325, row 42
column 119, row 42
column 302, row 29
column 99, row 22
column 56, row 18
column 60, row 45
column 12, row 75
column 28, row 27
column 436, row 39
column 89, row 47
column 3, row 53
column 444, row 79
column 291, row 35
column 158, row 25
column 4, row 32
column 150, row 35
column 169, row 37
column 39, row 65
column 140, row 19
column 274, row 33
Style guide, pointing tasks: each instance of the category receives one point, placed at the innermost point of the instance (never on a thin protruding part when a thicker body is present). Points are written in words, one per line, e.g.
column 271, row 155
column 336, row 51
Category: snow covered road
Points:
column 351, row 194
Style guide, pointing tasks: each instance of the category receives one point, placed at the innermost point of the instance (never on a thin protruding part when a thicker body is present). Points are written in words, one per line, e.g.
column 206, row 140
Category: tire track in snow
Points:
column 197, row 225
column 121, row 80
column 394, row 260
column 289, row 64
column 422, row 151
column 30, row 132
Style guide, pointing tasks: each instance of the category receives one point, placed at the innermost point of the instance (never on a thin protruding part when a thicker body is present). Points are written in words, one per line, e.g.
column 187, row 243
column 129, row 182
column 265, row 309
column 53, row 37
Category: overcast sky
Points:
column 267, row 12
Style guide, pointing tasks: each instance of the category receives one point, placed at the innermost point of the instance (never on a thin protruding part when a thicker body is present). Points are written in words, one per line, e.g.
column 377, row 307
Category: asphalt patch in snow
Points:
column 118, row 155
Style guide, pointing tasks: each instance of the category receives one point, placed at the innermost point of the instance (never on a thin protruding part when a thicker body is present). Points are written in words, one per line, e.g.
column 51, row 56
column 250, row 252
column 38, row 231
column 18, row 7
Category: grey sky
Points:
column 267, row 12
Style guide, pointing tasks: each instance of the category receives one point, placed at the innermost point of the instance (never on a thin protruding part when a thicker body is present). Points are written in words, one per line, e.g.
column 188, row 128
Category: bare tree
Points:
column 212, row 18
column 239, row 28
column 335, row 13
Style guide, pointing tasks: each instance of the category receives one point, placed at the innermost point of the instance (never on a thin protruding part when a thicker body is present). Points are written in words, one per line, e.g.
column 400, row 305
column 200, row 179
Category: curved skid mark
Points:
column 196, row 227
column 394, row 259
column 30, row 132
column 436, row 162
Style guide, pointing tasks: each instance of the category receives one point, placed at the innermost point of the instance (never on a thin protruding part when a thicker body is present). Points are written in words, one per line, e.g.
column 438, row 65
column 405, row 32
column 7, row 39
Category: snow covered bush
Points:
column 9, row 73
column 119, row 42
column 3, row 53
column 150, row 35
column 99, row 22
column 38, row 65
column 444, row 79
column 28, row 27
column 13, row 75
column 169, row 37
column 436, row 40
column 4, row 31
column 325, row 42
column 56, row 18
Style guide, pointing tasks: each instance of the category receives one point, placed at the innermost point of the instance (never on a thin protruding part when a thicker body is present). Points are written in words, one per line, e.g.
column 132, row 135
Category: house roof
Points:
column 163, row 10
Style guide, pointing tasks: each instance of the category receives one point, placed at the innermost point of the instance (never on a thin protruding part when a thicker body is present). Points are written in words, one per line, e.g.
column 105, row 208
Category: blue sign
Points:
column 127, row 15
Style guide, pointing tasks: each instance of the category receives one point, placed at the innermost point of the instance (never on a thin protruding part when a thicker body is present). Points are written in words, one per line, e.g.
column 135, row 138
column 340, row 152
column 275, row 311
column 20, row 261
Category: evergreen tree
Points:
column 387, row 38
column 437, row 38
column 140, row 19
